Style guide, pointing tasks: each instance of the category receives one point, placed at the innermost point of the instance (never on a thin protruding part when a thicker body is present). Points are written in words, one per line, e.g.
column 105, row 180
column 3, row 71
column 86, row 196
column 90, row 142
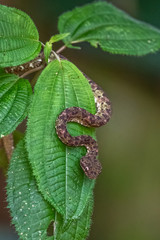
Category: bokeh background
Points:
column 127, row 193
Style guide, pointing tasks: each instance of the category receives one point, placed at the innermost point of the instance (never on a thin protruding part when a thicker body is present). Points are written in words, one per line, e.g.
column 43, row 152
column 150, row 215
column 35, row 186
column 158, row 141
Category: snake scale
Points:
column 89, row 163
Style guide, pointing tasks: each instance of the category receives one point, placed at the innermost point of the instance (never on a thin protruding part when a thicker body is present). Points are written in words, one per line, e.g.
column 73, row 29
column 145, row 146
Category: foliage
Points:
column 46, row 186
column 19, row 38
column 28, row 207
column 48, row 45
column 15, row 95
column 55, row 165
column 102, row 24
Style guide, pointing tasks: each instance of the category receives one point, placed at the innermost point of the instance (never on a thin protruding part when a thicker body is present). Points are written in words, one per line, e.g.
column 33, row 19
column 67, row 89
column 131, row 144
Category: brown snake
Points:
column 89, row 163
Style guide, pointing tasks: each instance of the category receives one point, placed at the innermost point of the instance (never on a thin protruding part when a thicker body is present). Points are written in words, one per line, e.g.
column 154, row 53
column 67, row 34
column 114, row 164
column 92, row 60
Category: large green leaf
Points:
column 78, row 228
column 31, row 214
column 102, row 24
column 15, row 94
column 56, row 166
column 19, row 39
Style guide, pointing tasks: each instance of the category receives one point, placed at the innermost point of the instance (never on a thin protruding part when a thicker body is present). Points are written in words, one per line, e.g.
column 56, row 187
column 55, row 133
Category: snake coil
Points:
column 89, row 163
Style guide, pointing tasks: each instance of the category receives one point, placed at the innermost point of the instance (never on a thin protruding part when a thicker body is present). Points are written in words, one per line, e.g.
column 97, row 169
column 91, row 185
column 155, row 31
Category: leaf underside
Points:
column 56, row 166
column 19, row 38
column 15, row 94
column 103, row 24
column 31, row 214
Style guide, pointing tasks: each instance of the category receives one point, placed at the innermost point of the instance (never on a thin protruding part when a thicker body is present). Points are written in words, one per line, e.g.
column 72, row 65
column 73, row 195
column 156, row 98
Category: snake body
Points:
column 89, row 163
column 24, row 68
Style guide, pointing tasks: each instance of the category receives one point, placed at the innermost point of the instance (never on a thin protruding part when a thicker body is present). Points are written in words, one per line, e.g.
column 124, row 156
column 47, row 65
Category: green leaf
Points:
column 31, row 214
column 58, row 37
column 56, row 166
column 102, row 24
column 17, row 136
column 15, row 95
column 19, row 38
column 2, row 71
column 78, row 229
column 47, row 50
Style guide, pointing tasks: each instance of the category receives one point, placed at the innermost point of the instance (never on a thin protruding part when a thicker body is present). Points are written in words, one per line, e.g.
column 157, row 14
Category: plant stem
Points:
column 61, row 49
column 8, row 145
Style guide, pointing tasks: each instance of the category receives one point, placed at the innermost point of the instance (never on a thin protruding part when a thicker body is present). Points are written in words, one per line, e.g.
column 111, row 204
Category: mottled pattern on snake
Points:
column 23, row 68
column 36, row 63
column 89, row 163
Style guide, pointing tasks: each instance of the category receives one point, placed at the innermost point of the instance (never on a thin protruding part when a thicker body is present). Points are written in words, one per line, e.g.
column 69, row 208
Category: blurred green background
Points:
column 127, row 193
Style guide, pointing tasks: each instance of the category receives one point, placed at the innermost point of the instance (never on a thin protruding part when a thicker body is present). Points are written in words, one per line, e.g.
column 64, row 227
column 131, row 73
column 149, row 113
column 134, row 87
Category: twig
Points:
column 8, row 145
column 61, row 49
column 56, row 55
column 43, row 44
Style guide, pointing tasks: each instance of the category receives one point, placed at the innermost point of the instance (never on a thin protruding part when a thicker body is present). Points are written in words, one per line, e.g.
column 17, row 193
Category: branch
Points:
column 61, row 49
column 8, row 145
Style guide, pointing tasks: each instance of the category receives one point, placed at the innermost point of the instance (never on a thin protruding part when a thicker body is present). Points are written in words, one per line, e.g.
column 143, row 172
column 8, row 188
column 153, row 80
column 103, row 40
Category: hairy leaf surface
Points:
column 102, row 24
column 56, row 166
column 15, row 94
column 78, row 228
column 31, row 214
column 19, row 38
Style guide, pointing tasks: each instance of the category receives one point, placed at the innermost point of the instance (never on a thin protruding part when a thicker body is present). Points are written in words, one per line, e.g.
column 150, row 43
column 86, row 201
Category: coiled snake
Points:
column 89, row 163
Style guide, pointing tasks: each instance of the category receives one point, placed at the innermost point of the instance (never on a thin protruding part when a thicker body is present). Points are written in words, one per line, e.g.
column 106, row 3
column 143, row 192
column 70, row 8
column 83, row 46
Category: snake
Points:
column 89, row 163
column 20, row 70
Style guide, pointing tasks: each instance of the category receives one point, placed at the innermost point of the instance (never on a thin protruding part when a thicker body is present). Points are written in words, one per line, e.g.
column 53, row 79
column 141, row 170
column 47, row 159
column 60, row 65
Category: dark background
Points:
column 127, row 193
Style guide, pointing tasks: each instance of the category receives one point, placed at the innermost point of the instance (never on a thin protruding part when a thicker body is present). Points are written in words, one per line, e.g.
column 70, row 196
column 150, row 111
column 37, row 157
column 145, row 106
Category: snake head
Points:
column 91, row 166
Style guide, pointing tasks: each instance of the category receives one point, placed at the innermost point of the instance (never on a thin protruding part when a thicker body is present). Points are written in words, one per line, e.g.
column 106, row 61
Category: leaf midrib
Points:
column 51, row 94
column 66, row 148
